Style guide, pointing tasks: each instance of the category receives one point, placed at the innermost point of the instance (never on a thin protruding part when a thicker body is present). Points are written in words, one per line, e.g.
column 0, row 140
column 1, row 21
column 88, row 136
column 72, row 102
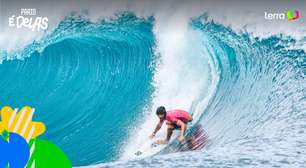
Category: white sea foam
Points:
column 184, row 79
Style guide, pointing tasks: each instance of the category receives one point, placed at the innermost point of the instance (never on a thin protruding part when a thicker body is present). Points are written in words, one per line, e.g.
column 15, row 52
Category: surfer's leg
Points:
column 170, row 129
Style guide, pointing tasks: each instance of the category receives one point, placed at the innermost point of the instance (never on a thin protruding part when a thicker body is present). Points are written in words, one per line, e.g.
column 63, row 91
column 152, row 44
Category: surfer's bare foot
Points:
column 161, row 142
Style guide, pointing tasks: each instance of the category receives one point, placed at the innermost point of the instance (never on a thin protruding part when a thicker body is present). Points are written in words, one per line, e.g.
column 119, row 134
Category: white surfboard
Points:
column 150, row 147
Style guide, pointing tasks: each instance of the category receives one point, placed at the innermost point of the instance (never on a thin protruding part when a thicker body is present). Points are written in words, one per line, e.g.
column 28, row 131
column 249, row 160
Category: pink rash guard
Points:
column 174, row 115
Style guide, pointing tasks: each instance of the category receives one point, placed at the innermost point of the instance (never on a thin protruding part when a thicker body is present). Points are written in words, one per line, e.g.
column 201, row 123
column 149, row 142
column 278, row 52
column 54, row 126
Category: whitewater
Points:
column 98, row 74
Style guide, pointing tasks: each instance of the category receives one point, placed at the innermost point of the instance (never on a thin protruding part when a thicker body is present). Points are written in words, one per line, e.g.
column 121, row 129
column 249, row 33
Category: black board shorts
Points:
column 176, row 127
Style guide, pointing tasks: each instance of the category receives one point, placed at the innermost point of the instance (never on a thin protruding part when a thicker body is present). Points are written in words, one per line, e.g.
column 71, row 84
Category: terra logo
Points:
column 282, row 16
column 20, row 146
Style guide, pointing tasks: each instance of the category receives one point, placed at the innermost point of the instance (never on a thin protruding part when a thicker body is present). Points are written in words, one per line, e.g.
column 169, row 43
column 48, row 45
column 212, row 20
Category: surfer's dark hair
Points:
column 161, row 110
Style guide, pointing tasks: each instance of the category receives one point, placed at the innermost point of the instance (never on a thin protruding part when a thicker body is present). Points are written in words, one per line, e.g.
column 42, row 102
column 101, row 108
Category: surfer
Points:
column 175, row 119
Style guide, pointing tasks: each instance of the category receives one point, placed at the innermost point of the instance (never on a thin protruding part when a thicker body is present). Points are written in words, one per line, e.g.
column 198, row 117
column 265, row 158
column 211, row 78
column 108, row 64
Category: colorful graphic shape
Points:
column 47, row 155
column 19, row 146
column 21, row 122
column 293, row 16
column 14, row 151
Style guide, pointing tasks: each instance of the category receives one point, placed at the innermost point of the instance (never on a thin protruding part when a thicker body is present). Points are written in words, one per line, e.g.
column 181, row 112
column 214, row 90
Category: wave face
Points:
column 257, row 114
column 88, row 83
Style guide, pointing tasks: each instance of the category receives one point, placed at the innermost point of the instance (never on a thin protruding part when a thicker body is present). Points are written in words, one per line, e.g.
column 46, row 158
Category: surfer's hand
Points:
column 161, row 142
column 152, row 136
column 180, row 138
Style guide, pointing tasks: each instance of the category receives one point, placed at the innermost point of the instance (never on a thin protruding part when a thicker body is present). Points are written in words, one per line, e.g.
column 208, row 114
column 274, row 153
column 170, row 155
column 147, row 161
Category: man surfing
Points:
column 175, row 119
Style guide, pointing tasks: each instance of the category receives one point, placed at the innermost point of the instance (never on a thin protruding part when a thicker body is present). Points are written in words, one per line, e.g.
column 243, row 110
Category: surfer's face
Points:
column 161, row 116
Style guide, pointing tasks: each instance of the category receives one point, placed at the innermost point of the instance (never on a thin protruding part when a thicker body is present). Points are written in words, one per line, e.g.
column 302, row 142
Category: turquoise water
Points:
column 90, row 82
column 87, row 86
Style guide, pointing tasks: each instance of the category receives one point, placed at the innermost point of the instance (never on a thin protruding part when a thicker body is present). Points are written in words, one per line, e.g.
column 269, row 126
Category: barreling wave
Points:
column 90, row 81
column 257, row 113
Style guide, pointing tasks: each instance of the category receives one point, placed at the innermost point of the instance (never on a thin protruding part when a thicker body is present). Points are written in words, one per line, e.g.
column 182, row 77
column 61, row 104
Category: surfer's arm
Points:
column 157, row 128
